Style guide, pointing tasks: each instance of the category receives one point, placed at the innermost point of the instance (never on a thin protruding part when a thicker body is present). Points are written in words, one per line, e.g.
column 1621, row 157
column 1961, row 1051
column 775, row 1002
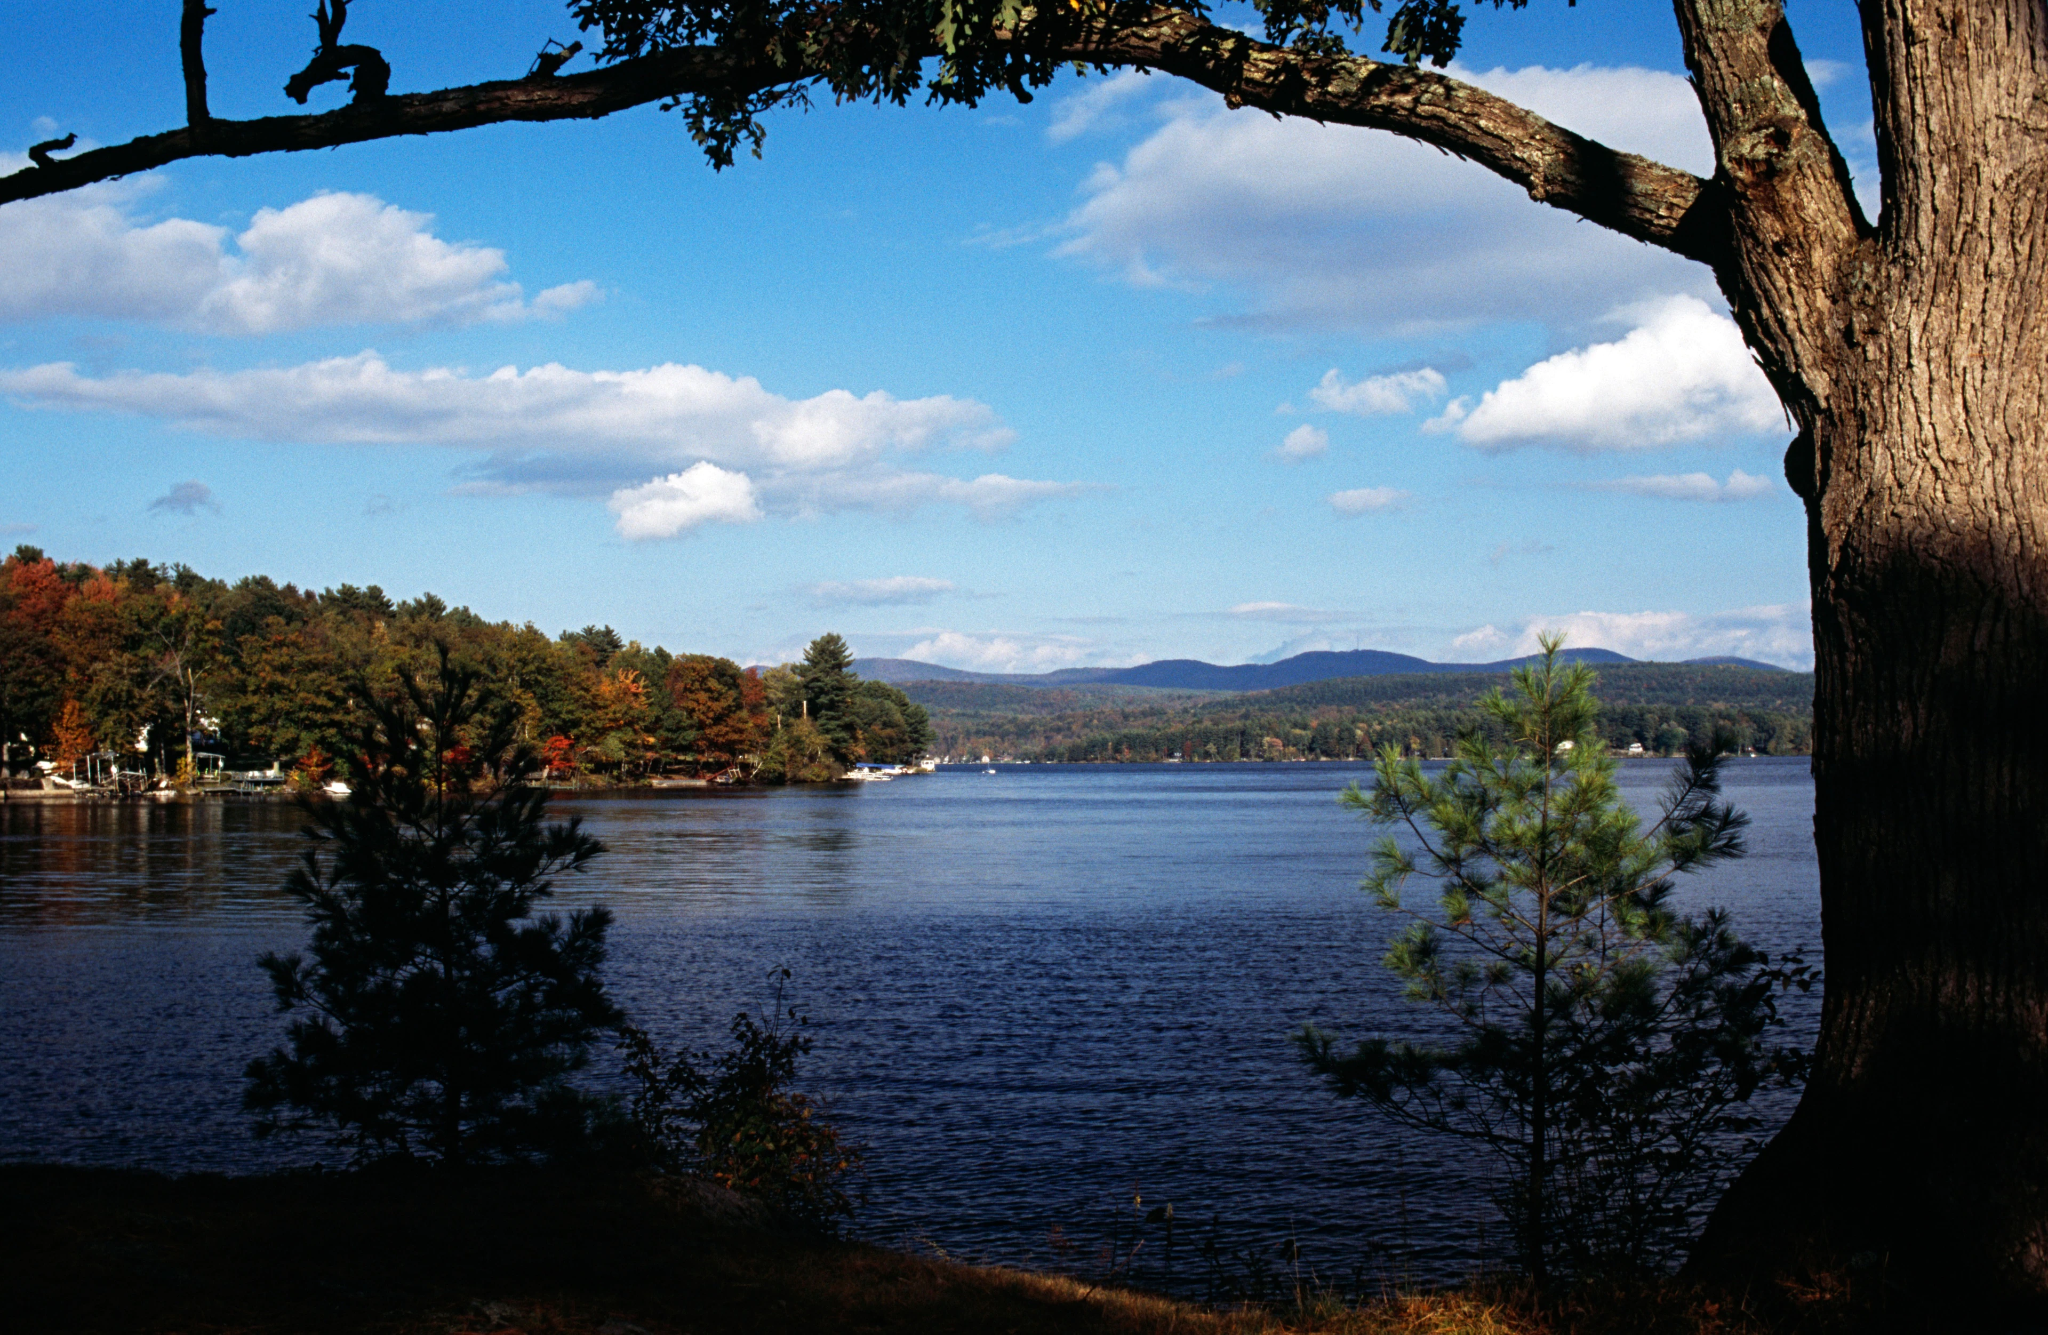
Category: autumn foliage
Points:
column 149, row 660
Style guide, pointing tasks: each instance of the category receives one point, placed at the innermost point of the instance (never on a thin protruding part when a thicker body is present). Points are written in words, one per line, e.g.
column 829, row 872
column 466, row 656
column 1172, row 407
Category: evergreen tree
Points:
column 1601, row 1045
column 437, row 1016
column 829, row 684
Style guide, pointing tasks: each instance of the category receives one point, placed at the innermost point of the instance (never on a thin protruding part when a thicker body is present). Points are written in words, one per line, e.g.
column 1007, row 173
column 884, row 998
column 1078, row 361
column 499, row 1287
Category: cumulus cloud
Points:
column 999, row 652
column 703, row 493
column 1681, row 374
column 186, row 498
column 893, row 591
column 1777, row 633
column 641, row 414
column 557, row 429
column 1341, row 226
column 1359, row 500
column 1485, row 640
column 1304, row 442
column 332, row 259
column 1378, row 394
column 1740, row 486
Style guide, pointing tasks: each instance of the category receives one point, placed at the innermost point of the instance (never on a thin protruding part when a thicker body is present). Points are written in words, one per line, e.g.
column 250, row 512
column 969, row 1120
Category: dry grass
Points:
column 96, row 1251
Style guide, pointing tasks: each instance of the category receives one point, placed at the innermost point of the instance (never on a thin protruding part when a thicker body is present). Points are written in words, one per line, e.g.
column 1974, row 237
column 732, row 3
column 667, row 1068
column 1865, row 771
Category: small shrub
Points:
column 734, row 1117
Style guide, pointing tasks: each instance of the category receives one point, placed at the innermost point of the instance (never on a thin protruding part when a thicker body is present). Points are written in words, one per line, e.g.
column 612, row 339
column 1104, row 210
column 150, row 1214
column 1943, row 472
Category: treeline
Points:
column 152, row 668
column 1655, row 706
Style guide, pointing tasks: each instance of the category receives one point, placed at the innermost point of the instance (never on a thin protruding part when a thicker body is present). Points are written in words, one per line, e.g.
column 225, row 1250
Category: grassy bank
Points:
column 84, row 1250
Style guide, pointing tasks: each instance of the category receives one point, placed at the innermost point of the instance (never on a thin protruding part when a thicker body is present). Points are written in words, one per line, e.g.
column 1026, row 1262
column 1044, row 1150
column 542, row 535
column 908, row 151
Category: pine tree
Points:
column 1602, row 1044
column 437, row 1017
column 829, row 683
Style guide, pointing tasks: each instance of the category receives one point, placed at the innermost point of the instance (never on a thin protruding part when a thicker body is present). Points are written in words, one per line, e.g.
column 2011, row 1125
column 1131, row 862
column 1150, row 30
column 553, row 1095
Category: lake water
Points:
column 1034, row 994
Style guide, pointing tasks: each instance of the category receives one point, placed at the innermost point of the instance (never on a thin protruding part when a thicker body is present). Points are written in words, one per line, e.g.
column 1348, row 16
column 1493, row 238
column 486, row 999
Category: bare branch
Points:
column 583, row 96
column 191, row 38
column 40, row 153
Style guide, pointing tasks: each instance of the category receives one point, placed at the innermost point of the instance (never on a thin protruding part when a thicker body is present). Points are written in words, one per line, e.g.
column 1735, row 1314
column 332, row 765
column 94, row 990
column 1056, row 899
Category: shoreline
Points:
column 559, row 1251
column 673, row 788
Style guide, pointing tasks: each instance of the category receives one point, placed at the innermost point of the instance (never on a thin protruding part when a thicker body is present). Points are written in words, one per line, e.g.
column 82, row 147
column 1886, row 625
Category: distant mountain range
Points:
column 1187, row 674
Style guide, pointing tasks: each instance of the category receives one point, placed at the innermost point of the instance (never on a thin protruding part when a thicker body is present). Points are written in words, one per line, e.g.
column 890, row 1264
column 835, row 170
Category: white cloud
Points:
column 565, row 297
column 1780, row 633
column 1002, row 652
column 1304, row 442
column 1377, row 394
column 1359, row 500
column 1287, row 612
column 1681, row 374
column 1485, row 640
column 990, row 496
column 702, row 493
column 332, row 259
column 1342, row 226
column 893, row 591
column 1825, row 73
column 186, row 498
column 1740, row 486
column 553, row 428
column 1099, row 105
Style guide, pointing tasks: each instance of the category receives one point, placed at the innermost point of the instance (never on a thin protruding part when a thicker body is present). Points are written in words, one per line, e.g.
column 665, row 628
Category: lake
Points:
column 1034, row 994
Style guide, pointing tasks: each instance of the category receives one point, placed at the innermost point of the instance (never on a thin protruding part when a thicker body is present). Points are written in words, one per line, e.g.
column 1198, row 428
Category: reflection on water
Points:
column 1030, row 992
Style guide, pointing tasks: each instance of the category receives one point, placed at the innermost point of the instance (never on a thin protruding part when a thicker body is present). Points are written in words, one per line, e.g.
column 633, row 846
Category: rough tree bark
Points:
column 1913, row 357
column 1915, row 360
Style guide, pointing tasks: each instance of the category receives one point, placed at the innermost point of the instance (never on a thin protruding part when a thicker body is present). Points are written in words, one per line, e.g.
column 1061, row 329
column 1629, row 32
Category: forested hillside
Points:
column 1657, row 706
column 151, row 667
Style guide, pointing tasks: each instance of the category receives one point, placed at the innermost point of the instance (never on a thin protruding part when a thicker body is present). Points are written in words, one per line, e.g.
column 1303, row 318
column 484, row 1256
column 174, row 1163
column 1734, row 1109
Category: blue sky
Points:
column 1115, row 376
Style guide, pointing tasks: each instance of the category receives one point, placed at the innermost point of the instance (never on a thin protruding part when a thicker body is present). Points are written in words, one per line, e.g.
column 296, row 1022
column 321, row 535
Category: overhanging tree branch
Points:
column 1632, row 195
column 673, row 74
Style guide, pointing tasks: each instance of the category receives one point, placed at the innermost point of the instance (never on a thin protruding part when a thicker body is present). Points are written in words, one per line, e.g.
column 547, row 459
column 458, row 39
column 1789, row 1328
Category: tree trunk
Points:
column 1918, row 369
column 1923, row 1134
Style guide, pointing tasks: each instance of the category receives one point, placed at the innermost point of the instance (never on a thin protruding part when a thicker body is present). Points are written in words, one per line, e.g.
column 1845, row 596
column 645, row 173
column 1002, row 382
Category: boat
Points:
column 337, row 789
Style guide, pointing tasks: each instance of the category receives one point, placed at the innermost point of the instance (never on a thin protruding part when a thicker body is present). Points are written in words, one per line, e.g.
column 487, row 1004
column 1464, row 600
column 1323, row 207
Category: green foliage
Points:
column 953, row 51
column 829, row 686
column 736, row 1118
column 263, row 673
column 435, row 1016
column 799, row 752
column 1594, row 1043
column 888, row 728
